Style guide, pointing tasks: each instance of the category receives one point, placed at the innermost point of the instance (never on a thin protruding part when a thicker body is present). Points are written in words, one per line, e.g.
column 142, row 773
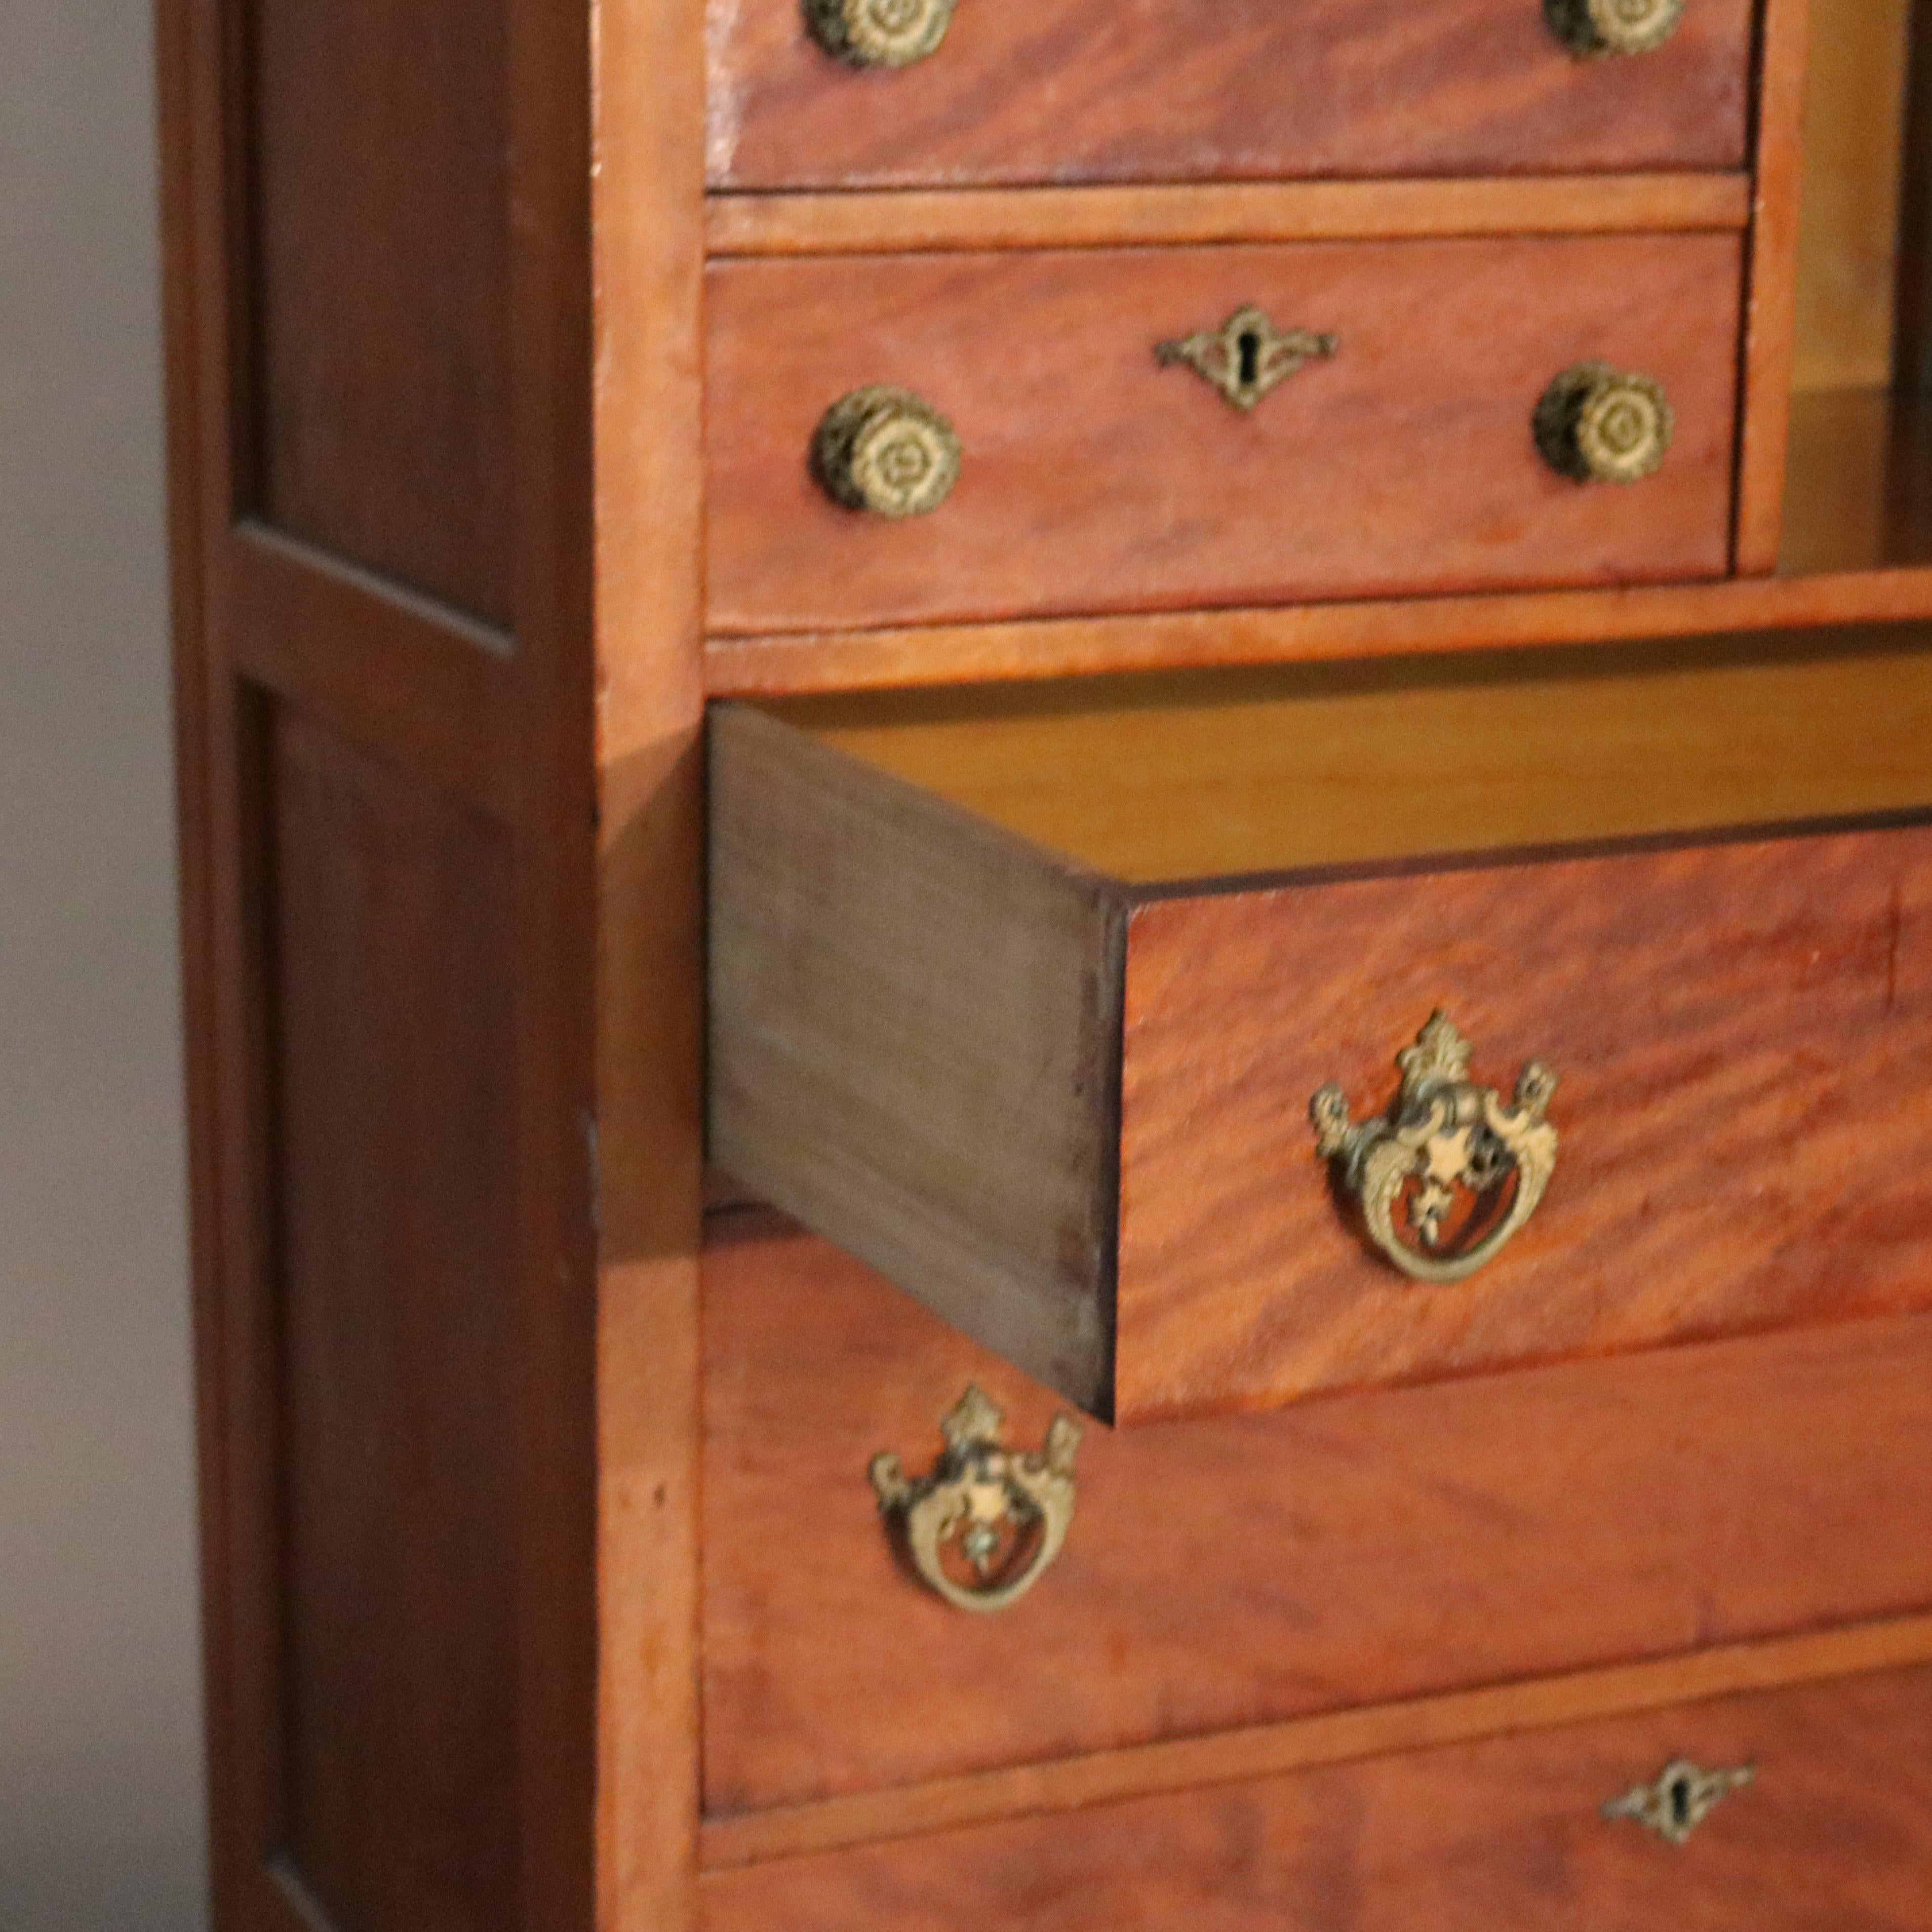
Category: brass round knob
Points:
column 1598, row 424
column 1595, row 27
column 887, row 451
column 879, row 33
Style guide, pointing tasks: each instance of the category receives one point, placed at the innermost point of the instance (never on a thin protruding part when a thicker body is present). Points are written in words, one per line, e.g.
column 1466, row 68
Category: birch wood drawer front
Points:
column 1089, row 90
column 1098, row 470
column 1832, row 1831
column 1254, row 1569
column 1060, row 1085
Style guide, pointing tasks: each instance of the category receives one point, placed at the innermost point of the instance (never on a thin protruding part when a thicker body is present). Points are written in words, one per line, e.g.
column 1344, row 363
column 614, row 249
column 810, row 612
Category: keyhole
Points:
column 1250, row 347
column 1680, row 1802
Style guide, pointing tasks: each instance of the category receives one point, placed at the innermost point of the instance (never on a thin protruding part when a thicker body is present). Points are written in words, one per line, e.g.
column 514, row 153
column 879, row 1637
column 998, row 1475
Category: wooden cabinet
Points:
column 1299, row 938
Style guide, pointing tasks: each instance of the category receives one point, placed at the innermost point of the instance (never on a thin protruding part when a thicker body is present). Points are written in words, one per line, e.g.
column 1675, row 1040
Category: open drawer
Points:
column 1075, row 1011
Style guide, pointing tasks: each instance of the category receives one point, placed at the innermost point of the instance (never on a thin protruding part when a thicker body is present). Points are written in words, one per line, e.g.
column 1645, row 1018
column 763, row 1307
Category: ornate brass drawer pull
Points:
column 1459, row 1170
column 1247, row 357
column 1680, row 1801
column 1598, row 425
column 887, row 451
column 879, row 33
column 986, row 1524
column 1594, row 27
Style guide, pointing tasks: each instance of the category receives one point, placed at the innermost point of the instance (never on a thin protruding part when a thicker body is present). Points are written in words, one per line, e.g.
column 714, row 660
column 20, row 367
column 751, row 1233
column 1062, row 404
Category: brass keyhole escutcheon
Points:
column 1595, row 28
column 879, row 33
column 1598, row 425
column 1683, row 1796
column 1247, row 357
column 887, row 451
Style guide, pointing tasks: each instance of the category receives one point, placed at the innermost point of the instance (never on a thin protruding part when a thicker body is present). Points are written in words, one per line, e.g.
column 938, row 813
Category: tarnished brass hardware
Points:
column 887, row 451
column 1461, row 1170
column 1247, row 357
column 1680, row 1801
column 986, row 1524
column 1594, row 27
column 879, row 33
column 1598, row 425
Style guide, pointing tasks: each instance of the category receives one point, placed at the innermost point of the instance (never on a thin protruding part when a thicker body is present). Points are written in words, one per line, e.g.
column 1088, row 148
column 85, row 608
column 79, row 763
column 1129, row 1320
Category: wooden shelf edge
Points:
column 740, row 224
column 797, row 663
column 1075, row 1784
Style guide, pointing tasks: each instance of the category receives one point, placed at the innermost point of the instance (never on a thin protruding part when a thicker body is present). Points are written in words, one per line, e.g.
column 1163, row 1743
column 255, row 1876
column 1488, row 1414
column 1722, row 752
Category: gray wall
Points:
column 100, row 1788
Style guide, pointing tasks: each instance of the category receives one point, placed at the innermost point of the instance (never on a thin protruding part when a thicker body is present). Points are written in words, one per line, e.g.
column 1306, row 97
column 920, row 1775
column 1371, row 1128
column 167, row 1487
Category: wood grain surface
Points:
column 1742, row 1035
column 1832, row 594
column 1779, row 187
column 1096, row 480
column 899, row 219
column 1865, row 458
column 1233, row 1574
column 1075, row 90
column 1913, row 361
column 380, row 265
column 1832, row 1835
column 1194, row 776
column 1340, row 1737
column 395, row 1172
column 380, row 394
column 914, row 1038
column 1845, row 271
column 642, row 464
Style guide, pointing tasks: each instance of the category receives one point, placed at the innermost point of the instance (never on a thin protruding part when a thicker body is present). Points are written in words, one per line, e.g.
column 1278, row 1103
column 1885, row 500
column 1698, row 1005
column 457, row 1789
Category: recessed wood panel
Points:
column 1833, row 1833
column 1095, row 479
column 1227, row 1573
column 395, row 1182
column 1090, row 90
column 380, row 263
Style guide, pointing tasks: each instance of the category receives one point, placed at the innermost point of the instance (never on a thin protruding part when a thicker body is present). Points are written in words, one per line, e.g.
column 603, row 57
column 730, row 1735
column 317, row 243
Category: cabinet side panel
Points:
column 395, row 1175
column 380, row 259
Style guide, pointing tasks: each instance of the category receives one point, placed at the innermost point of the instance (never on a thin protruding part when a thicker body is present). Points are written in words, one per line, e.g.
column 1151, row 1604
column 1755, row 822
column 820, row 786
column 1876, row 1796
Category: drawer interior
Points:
column 1230, row 773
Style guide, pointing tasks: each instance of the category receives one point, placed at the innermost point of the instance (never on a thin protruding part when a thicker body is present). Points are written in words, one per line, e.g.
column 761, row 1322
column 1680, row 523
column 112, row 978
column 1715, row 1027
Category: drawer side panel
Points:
column 913, row 1043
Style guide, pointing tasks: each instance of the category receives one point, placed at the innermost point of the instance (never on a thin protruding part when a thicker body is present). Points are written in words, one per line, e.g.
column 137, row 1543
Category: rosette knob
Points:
column 879, row 33
column 887, row 451
column 1598, row 425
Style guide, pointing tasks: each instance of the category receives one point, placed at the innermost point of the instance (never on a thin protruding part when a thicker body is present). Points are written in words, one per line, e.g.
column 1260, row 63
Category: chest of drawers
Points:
column 1059, row 920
